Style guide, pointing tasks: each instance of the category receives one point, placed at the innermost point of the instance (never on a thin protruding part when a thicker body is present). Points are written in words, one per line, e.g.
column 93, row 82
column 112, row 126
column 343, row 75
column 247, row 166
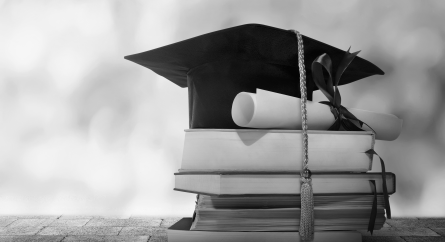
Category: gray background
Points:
column 83, row 131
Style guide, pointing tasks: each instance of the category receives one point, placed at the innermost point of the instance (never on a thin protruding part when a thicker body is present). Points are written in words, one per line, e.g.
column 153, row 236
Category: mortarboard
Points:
column 217, row 66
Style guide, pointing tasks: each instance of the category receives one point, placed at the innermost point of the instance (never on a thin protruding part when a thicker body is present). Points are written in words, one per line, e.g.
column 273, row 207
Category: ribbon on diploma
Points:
column 344, row 120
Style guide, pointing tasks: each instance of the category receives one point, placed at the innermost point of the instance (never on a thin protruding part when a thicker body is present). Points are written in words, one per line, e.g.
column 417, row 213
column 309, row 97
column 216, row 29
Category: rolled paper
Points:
column 270, row 110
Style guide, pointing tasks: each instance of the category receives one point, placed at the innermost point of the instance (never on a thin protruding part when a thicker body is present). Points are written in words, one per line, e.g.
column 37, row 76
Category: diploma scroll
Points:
column 269, row 110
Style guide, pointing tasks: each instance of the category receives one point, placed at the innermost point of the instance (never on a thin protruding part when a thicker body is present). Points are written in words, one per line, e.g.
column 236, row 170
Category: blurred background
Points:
column 83, row 131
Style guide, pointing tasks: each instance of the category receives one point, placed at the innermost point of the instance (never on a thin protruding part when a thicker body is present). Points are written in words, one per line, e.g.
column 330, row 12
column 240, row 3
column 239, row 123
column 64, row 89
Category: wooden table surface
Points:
column 92, row 228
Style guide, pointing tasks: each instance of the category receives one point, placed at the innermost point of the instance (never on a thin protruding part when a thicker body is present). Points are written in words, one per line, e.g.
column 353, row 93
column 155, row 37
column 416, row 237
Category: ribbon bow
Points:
column 344, row 120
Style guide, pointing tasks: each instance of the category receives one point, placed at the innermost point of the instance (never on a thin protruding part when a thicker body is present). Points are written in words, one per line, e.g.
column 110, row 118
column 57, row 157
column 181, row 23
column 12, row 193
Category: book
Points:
column 272, row 184
column 275, row 150
column 180, row 232
column 263, row 202
column 284, row 219
column 282, row 213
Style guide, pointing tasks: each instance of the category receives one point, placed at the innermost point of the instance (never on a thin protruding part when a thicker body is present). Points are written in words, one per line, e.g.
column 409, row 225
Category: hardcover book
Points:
column 280, row 183
column 275, row 150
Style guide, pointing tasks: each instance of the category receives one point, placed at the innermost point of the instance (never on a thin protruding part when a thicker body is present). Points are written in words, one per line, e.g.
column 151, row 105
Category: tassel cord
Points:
column 306, row 192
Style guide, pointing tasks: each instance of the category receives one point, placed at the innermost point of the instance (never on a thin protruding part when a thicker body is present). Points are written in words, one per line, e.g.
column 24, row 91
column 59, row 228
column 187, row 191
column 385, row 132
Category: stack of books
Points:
column 248, row 185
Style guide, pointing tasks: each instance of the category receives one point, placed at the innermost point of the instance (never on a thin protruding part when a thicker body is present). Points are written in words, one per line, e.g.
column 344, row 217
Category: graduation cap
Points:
column 217, row 66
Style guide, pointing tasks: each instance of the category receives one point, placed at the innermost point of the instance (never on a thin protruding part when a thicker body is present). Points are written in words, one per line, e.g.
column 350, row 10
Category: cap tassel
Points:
column 306, row 193
column 307, row 210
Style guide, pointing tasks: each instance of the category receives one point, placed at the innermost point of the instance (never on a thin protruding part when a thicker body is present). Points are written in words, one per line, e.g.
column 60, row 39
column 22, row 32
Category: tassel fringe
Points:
column 307, row 210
